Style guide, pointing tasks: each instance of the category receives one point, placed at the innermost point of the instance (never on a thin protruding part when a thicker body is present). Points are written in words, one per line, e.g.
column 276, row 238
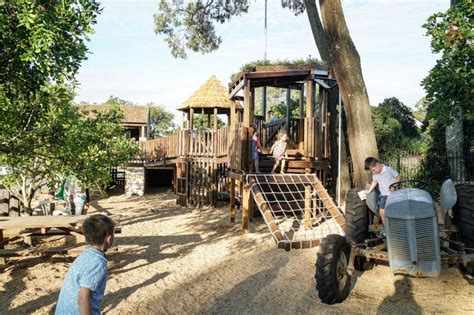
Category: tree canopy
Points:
column 161, row 121
column 449, row 84
column 43, row 135
column 68, row 141
column 42, row 44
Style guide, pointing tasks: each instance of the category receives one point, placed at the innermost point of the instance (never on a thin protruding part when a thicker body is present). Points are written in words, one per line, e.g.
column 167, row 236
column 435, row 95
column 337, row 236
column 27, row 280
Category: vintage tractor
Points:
column 417, row 239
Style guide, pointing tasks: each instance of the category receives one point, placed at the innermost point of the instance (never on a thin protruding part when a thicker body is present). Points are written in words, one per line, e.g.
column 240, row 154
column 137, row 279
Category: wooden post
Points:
column 215, row 118
column 264, row 114
column 191, row 118
column 246, row 206
column 301, row 101
column 309, row 98
column 232, row 200
column 307, row 207
column 322, row 122
column 288, row 111
column 308, row 136
column 209, row 120
column 301, row 119
column 247, row 129
column 2, row 259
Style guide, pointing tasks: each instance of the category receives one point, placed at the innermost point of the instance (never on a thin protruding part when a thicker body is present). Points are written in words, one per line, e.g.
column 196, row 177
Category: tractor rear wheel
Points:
column 464, row 218
column 332, row 280
column 357, row 225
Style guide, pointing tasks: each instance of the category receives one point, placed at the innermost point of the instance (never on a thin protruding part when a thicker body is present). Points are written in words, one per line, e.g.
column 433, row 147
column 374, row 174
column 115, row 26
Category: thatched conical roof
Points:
column 212, row 94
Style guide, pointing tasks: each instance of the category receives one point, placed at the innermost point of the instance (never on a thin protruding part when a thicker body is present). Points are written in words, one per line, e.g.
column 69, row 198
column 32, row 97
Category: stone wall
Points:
column 134, row 181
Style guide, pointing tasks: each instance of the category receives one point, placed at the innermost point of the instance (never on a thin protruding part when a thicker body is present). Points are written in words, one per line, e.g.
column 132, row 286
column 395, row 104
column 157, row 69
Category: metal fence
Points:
column 418, row 166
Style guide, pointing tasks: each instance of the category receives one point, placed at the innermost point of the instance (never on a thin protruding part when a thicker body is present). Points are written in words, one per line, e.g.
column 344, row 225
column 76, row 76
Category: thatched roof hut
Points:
column 212, row 94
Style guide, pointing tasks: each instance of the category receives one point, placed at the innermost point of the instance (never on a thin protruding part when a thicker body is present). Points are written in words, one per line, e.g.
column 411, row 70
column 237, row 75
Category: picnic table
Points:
column 15, row 228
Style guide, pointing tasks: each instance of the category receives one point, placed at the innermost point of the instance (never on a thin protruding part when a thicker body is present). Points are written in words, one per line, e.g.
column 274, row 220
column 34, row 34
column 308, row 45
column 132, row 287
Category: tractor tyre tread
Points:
column 326, row 269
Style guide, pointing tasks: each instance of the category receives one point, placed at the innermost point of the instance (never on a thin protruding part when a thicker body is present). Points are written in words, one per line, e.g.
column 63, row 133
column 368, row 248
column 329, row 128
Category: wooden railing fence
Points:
column 186, row 143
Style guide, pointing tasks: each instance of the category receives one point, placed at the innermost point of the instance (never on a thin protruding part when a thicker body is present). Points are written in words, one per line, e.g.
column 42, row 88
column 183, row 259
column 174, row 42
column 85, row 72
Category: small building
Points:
column 136, row 118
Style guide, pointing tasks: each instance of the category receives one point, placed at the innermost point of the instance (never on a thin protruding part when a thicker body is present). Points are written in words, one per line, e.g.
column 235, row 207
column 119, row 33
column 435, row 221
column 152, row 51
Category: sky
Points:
column 128, row 60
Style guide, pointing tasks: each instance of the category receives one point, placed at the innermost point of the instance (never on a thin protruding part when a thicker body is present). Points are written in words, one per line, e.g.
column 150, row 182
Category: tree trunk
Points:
column 454, row 147
column 455, row 143
column 322, row 44
column 345, row 62
column 317, row 29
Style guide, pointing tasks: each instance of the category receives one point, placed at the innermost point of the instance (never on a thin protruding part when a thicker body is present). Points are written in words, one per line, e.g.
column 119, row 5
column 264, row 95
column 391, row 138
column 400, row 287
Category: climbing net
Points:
column 296, row 207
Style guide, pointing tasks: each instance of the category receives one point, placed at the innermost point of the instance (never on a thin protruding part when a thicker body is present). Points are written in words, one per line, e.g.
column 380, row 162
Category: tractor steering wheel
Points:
column 411, row 183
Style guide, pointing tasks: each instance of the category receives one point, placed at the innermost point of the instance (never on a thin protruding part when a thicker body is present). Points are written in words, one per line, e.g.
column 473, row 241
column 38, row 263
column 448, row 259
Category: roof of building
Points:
column 212, row 94
column 132, row 114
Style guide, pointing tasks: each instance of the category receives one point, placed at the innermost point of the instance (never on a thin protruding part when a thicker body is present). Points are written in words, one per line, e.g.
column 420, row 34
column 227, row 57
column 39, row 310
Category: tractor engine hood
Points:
column 412, row 233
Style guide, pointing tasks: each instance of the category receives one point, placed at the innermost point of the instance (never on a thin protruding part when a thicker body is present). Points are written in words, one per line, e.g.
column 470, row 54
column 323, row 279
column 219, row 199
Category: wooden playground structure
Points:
column 211, row 163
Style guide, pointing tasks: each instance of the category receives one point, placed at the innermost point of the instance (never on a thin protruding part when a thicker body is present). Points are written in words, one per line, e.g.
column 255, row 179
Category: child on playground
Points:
column 84, row 285
column 256, row 148
column 384, row 176
column 279, row 152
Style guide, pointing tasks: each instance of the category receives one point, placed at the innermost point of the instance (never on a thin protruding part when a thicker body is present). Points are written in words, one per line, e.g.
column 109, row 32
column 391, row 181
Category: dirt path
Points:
column 183, row 260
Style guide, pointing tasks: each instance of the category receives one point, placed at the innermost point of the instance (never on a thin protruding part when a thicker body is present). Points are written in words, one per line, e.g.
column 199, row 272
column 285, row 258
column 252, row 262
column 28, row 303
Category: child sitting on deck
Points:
column 279, row 152
column 84, row 285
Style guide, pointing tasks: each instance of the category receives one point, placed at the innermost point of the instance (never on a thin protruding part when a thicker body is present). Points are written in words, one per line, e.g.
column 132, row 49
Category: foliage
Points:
column 42, row 44
column 420, row 108
column 279, row 110
column 161, row 121
column 42, row 134
column 114, row 100
column 449, row 83
column 392, row 107
column 434, row 167
column 191, row 24
column 201, row 121
column 395, row 128
column 68, row 141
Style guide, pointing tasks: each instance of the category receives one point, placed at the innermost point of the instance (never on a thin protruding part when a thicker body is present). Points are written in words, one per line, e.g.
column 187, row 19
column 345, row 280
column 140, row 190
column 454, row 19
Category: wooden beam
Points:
column 288, row 110
column 276, row 74
column 236, row 88
column 309, row 98
column 191, row 118
column 232, row 200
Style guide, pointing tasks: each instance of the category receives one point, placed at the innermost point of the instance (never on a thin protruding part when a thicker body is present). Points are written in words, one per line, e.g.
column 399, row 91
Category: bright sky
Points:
column 130, row 61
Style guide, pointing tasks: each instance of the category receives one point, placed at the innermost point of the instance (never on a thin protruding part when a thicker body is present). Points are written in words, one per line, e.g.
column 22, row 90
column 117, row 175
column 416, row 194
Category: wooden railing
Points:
column 222, row 141
column 235, row 147
column 314, row 144
column 186, row 143
column 277, row 126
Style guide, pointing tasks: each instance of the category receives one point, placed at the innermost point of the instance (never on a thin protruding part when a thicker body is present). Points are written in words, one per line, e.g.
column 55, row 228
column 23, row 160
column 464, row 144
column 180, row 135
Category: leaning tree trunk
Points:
column 345, row 61
column 322, row 44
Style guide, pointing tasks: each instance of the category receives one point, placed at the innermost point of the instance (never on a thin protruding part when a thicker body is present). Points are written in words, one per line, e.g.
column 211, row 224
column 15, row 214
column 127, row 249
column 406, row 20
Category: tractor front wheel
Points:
column 332, row 280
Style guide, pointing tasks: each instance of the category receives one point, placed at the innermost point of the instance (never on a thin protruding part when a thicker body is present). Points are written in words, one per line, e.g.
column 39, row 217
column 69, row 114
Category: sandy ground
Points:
column 186, row 261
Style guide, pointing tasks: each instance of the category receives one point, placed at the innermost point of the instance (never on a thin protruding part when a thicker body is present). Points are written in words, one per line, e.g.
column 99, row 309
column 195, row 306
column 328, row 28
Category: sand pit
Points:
column 178, row 260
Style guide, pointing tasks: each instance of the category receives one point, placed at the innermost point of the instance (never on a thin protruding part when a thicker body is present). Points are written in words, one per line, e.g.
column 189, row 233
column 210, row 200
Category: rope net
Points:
column 296, row 207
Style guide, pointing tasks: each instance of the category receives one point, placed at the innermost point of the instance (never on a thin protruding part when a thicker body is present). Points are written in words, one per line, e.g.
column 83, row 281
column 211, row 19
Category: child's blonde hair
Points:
column 281, row 134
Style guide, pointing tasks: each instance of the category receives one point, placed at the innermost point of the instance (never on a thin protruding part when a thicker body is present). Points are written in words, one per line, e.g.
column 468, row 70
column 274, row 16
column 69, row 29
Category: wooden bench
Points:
column 46, row 226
